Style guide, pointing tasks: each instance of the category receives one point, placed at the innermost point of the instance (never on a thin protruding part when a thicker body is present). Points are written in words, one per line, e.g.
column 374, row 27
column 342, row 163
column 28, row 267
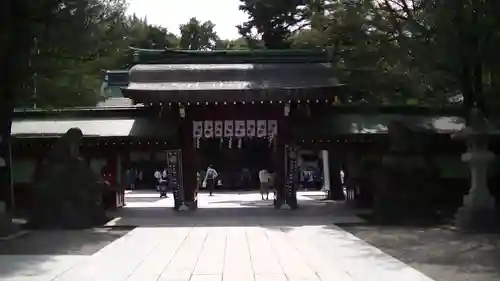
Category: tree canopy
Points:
column 388, row 51
column 393, row 51
column 196, row 35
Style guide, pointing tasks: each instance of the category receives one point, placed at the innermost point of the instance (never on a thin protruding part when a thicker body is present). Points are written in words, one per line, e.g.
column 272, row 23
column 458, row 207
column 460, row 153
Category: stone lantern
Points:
column 478, row 210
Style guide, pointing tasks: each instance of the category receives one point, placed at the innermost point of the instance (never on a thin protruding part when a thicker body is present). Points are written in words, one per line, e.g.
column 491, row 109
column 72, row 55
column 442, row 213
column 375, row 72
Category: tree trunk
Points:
column 470, row 57
column 5, row 163
column 14, row 56
column 5, row 108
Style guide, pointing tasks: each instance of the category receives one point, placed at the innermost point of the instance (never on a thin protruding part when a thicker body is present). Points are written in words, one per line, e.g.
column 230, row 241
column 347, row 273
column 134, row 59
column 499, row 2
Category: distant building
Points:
column 114, row 81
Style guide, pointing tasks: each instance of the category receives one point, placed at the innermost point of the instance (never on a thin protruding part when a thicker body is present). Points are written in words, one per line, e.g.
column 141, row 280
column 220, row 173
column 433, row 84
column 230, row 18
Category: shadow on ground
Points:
column 440, row 253
column 308, row 214
column 62, row 242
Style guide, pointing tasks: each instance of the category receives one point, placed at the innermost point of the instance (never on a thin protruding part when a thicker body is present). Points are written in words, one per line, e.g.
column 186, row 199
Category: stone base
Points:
column 285, row 207
column 183, row 208
column 468, row 218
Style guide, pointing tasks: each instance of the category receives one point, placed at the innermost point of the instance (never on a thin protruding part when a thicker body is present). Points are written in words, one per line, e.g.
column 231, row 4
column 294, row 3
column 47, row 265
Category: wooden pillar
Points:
column 283, row 195
column 120, row 188
column 118, row 176
column 334, row 167
column 188, row 153
column 280, row 172
column 292, row 174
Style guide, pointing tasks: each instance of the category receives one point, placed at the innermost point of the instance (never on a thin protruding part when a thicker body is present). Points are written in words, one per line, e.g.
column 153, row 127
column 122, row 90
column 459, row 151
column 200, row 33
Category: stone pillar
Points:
column 188, row 163
column 478, row 210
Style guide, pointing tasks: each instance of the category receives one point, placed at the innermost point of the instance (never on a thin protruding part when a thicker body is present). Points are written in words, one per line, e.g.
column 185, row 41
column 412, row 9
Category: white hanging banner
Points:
column 272, row 127
column 239, row 128
column 228, row 128
column 261, row 128
column 218, row 125
column 209, row 129
column 197, row 129
column 250, row 128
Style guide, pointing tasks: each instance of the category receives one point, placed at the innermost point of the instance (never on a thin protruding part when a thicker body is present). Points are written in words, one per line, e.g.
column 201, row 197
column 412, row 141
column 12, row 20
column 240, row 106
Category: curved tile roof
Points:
column 221, row 82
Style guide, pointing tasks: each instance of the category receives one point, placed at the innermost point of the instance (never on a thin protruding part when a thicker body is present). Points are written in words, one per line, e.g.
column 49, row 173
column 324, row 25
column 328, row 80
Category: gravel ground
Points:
column 440, row 253
column 61, row 242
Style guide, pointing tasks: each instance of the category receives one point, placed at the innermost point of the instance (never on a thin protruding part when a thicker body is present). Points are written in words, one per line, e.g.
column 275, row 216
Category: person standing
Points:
column 158, row 176
column 246, row 179
column 210, row 178
column 131, row 178
column 140, row 179
column 198, row 185
column 264, row 183
column 164, row 183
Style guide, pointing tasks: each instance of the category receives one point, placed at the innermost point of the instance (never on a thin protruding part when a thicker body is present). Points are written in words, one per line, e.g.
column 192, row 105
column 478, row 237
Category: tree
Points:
column 364, row 54
column 134, row 32
column 239, row 44
column 49, row 56
column 395, row 51
column 454, row 43
column 67, row 71
column 198, row 36
column 307, row 39
column 65, row 68
column 18, row 20
column 273, row 20
column 140, row 34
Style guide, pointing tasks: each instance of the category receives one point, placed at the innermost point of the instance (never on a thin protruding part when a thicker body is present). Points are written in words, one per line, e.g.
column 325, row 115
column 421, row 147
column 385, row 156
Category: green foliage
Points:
column 400, row 51
column 387, row 51
column 140, row 34
column 66, row 46
column 198, row 36
column 66, row 41
column 272, row 20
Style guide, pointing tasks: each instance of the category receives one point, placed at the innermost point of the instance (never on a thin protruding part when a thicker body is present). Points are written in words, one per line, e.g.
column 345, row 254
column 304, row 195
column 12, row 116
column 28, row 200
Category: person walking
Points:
column 210, row 178
column 264, row 183
column 158, row 177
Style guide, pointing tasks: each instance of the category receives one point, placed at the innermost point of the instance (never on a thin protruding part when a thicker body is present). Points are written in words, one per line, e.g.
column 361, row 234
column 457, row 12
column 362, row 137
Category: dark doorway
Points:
column 237, row 162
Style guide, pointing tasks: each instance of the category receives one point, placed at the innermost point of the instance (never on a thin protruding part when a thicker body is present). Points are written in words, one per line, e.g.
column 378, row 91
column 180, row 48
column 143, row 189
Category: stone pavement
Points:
column 293, row 245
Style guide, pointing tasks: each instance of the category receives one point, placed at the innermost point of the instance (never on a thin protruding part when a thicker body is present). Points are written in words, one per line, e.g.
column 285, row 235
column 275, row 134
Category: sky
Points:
column 172, row 13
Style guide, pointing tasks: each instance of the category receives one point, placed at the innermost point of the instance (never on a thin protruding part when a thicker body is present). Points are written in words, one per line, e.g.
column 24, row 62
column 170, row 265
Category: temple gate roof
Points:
column 162, row 76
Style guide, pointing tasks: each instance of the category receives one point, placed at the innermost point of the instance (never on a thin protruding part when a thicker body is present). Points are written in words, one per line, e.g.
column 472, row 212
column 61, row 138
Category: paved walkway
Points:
column 294, row 245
